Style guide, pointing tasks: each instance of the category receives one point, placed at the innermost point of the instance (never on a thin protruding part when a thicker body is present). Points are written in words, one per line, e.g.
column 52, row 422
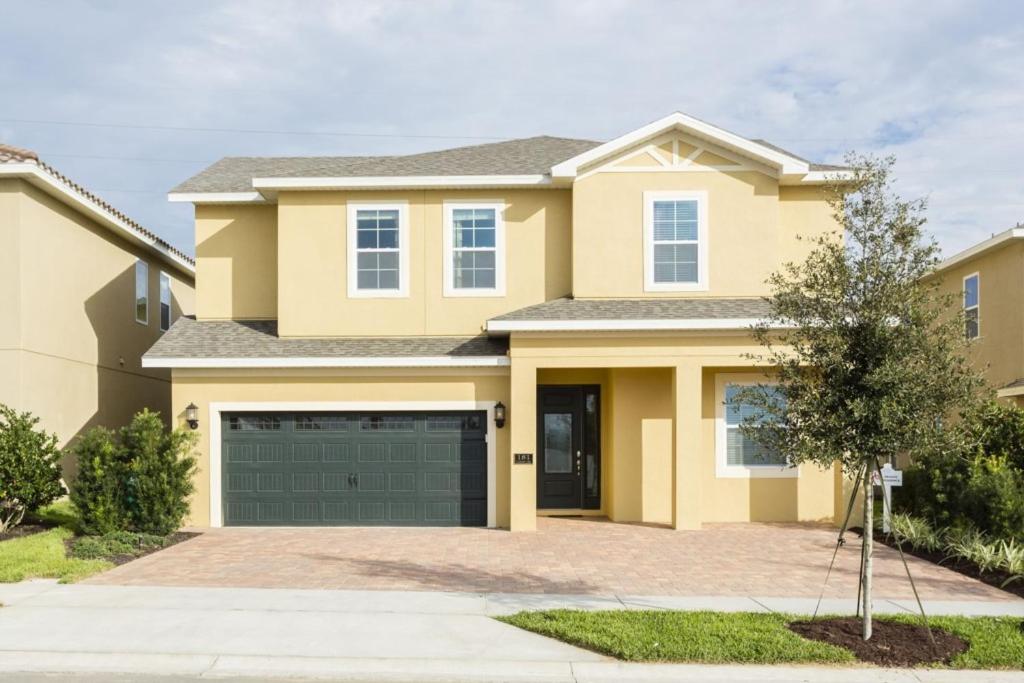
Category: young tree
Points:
column 867, row 351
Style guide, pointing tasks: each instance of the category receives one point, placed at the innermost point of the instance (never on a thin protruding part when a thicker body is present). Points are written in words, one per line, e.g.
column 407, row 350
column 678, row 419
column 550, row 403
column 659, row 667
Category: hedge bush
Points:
column 976, row 479
column 138, row 479
column 29, row 467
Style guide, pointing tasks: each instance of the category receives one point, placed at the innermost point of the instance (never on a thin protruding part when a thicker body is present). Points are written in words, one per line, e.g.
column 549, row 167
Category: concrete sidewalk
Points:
column 365, row 635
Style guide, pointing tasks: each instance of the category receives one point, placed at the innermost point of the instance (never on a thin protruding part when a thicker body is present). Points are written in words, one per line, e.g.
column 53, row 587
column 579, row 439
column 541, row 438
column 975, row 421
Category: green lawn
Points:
column 748, row 638
column 42, row 555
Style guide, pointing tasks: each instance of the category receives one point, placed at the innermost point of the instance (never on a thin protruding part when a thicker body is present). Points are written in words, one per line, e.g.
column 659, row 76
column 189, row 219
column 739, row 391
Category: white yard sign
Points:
column 890, row 478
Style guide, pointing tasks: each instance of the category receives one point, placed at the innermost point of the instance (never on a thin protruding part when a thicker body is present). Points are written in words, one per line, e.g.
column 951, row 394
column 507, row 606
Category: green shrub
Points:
column 99, row 490
column 29, row 467
column 138, row 480
column 162, row 469
column 993, row 498
column 975, row 478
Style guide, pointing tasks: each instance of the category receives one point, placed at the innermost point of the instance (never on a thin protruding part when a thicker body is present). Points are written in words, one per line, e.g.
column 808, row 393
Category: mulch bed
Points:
column 891, row 644
column 172, row 539
column 23, row 530
column 994, row 577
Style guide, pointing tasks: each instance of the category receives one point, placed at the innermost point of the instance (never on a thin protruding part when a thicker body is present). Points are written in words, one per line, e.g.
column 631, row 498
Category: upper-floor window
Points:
column 972, row 322
column 474, row 244
column 165, row 302
column 378, row 250
column 675, row 241
column 142, row 292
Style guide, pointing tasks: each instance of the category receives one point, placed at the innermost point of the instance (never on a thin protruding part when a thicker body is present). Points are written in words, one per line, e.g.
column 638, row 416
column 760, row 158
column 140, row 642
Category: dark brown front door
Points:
column 568, row 447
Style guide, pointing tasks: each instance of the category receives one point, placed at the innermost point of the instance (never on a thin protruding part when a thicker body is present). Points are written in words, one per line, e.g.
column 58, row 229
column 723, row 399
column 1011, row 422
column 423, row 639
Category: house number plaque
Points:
column 523, row 459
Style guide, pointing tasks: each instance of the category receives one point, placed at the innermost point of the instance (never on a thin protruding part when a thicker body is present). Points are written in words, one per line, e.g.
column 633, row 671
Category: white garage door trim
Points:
column 216, row 511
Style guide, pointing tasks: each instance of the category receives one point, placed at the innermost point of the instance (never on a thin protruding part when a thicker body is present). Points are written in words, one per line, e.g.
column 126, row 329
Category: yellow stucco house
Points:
column 84, row 291
column 987, row 280
column 487, row 334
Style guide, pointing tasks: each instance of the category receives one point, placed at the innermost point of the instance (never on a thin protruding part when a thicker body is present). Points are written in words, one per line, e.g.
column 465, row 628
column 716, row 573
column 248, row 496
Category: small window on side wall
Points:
column 675, row 241
column 972, row 306
column 165, row 302
column 142, row 292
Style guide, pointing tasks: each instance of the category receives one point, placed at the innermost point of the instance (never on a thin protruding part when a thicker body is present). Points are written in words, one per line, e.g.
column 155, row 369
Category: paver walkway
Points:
column 564, row 556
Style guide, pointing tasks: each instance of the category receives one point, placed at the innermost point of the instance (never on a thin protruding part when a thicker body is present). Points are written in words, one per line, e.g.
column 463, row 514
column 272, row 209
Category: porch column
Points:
column 687, row 441
column 522, row 418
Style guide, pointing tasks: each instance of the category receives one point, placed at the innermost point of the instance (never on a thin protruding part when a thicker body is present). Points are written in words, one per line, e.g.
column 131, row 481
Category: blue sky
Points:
column 938, row 84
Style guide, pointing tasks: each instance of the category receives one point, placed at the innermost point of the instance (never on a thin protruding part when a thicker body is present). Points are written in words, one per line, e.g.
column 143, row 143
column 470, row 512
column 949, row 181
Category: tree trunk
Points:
column 869, row 533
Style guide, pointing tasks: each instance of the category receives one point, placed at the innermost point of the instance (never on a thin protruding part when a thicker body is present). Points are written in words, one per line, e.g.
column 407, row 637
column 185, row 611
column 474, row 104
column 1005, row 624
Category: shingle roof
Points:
column 641, row 309
column 11, row 155
column 813, row 166
column 527, row 156
column 189, row 338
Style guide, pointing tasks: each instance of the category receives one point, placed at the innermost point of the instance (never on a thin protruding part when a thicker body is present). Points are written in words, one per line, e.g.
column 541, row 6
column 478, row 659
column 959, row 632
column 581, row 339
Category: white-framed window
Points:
column 972, row 306
column 142, row 292
column 378, row 249
column 474, row 248
column 736, row 454
column 675, row 241
column 165, row 302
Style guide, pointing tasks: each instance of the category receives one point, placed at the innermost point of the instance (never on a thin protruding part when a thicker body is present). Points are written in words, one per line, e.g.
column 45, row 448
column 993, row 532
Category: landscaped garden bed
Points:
column 770, row 638
column 130, row 497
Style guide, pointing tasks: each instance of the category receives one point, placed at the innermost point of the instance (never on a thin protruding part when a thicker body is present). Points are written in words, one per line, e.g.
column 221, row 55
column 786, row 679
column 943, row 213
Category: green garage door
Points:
column 323, row 469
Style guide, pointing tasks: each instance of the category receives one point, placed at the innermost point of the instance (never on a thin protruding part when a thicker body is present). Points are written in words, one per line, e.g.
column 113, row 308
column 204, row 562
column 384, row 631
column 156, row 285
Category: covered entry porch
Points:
column 633, row 428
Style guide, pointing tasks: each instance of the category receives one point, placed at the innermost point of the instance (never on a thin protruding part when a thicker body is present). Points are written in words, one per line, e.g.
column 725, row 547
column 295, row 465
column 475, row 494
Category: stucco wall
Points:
column 312, row 292
column 999, row 350
column 236, row 262
column 77, row 356
column 753, row 225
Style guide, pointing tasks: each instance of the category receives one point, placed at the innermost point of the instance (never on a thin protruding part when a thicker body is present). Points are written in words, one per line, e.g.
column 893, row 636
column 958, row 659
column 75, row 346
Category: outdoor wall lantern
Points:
column 499, row 414
column 192, row 415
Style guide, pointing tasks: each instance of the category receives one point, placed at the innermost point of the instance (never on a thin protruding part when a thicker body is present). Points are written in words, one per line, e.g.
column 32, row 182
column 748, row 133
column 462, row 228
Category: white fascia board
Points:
column 399, row 182
column 1009, row 392
column 620, row 325
column 57, row 188
column 817, row 177
column 981, row 248
column 216, row 197
column 331, row 362
column 785, row 163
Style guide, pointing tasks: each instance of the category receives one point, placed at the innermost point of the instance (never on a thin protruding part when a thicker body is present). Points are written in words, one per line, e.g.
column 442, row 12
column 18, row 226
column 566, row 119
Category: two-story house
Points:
column 84, row 291
column 486, row 334
column 987, row 281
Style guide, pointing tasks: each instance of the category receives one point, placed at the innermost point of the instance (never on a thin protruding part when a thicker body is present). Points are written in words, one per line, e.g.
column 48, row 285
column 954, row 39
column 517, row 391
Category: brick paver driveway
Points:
column 572, row 556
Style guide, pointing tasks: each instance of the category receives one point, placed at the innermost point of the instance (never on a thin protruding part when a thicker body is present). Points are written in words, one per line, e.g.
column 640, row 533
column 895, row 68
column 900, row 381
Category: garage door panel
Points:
column 400, row 469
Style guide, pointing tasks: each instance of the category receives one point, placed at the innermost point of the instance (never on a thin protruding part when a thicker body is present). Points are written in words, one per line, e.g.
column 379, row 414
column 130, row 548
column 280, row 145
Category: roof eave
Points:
column 620, row 325
column 994, row 242
column 784, row 163
column 38, row 177
column 328, row 362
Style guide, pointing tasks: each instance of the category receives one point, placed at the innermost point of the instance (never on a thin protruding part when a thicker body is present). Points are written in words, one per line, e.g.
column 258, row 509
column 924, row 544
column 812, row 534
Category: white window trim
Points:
column 135, row 293
column 723, row 470
column 702, row 242
column 977, row 306
column 170, row 299
column 214, row 429
column 450, row 290
column 403, row 250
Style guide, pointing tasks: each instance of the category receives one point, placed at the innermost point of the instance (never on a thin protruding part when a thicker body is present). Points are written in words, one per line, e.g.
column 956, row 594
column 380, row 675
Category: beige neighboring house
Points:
column 487, row 334
column 84, row 291
column 988, row 280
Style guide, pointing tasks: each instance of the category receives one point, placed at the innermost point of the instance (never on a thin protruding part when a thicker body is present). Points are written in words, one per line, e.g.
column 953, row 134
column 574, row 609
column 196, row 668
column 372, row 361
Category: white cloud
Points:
column 936, row 83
